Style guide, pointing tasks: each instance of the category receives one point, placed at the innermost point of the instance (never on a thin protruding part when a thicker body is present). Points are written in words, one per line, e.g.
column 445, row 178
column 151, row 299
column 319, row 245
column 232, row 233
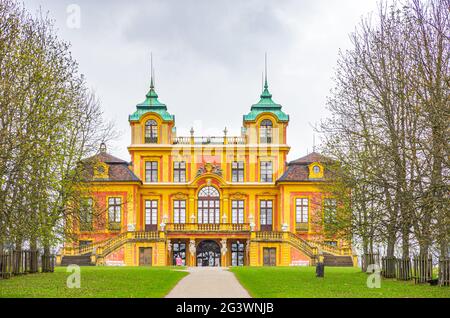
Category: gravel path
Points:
column 208, row 282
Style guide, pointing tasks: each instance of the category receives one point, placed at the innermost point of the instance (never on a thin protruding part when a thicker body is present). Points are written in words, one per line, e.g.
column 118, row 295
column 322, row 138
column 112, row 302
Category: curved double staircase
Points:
column 332, row 256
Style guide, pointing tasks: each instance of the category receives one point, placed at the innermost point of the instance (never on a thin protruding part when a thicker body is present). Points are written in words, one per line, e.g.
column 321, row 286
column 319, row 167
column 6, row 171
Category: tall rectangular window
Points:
column 179, row 171
column 266, row 171
column 114, row 213
column 301, row 210
column 86, row 214
column 329, row 210
column 151, row 171
column 179, row 211
column 237, row 211
column 237, row 254
column 266, row 215
column 237, row 171
column 151, row 215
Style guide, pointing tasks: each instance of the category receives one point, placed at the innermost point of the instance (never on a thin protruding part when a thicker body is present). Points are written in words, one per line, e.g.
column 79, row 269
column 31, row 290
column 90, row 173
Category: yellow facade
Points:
column 206, row 201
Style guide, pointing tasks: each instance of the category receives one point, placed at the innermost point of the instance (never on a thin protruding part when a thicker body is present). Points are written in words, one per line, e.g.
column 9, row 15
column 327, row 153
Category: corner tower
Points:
column 151, row 123
column 266, row 123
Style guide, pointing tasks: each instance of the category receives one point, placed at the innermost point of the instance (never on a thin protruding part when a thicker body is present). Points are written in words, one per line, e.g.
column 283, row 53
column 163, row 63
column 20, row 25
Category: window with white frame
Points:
column 114, row 210
column 179, row 211
column 301, row 210
column 151, row 132
column 237, row 171
column 266, row 171
column 329, row 210
column 179, row 171
column 151, row 171
column 237, row 211
column 151, row 215
column 265, row 131
column 86, row 214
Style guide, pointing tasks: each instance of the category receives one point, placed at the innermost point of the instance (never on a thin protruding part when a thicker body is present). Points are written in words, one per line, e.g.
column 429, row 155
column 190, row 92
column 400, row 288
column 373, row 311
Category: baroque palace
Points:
column 205, row 201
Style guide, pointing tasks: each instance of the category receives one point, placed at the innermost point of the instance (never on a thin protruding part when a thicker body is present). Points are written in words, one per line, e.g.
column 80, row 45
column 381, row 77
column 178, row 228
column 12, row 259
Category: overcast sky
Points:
column 209, row 57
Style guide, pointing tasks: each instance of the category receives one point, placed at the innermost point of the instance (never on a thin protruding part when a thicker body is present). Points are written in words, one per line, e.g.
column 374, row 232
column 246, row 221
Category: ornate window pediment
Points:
column 209, row 168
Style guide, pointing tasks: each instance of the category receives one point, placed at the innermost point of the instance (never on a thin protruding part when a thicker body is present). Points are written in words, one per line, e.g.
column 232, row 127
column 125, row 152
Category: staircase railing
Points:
column 206, row 227
column 90, row 248
column 123, row 238
column 290, row 238
column 107, row 246
column 269, row 236
column 331, row 249
column 112, row 244
column 302, row 245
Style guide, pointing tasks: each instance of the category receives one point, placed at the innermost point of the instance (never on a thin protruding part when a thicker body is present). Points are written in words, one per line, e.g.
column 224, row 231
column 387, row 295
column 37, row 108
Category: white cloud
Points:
column 209, row 56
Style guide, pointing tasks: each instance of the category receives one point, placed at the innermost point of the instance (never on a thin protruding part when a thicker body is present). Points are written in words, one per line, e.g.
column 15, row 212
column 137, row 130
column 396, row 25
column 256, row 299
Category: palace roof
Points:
column 118, row 171
column 310, row 158
column 298, row 170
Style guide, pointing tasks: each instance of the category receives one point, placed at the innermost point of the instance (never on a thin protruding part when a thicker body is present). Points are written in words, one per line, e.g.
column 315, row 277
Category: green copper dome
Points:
column 266, row 105
column 151, row 105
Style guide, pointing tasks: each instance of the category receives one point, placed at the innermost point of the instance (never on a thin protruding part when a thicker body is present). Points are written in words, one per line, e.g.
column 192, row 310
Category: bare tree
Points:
column 389, row 127
column 49, row 122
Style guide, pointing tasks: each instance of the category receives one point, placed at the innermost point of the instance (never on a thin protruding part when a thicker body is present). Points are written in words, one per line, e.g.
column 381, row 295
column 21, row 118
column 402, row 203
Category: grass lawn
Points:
column 107, row 282
column 296, row 282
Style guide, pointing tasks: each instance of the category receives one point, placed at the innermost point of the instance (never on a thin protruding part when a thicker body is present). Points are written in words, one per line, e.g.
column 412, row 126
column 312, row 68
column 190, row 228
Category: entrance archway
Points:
column 208, row 253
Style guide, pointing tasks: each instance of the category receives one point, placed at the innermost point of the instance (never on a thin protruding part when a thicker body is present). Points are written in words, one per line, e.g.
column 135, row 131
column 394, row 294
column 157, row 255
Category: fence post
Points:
column 404, row 269
column 444, row 272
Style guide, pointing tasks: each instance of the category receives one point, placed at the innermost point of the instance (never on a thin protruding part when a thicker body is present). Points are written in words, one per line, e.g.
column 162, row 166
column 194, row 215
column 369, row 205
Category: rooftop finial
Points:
column 265, row 64
column 151, row 70
column 262, row 81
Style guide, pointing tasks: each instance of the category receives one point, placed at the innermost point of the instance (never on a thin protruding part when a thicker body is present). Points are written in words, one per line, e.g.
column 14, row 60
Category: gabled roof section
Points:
column 106, row 158
column 118, row 169
column 310, row 158
column 298, row 170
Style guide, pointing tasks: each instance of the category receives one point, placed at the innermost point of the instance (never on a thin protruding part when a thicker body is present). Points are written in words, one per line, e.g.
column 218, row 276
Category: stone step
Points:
column 81, row 260
column 333, row 260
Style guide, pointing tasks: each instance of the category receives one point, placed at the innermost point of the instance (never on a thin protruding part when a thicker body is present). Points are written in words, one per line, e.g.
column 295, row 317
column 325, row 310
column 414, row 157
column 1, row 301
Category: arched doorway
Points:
column 208, row 206
column 208, row 253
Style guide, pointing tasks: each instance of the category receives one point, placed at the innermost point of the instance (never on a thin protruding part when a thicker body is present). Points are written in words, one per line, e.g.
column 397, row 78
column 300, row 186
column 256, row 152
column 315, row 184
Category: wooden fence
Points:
column 419, row 268
column 403, row 269
column 422, row 269
column 388, row 267
column 13, row 263
column 444, row 272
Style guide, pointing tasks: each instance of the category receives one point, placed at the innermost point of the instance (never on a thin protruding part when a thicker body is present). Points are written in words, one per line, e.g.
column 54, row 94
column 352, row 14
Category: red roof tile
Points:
column 118, row 168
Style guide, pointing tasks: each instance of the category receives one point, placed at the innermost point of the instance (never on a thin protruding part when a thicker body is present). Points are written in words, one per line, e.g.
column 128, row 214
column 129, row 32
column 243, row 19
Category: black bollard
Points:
column 320, row 269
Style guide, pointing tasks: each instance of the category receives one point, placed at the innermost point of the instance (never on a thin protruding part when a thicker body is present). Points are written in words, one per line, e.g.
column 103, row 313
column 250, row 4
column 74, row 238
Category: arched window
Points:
column 151, row 132
column 208, row 206
column 265, row 132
